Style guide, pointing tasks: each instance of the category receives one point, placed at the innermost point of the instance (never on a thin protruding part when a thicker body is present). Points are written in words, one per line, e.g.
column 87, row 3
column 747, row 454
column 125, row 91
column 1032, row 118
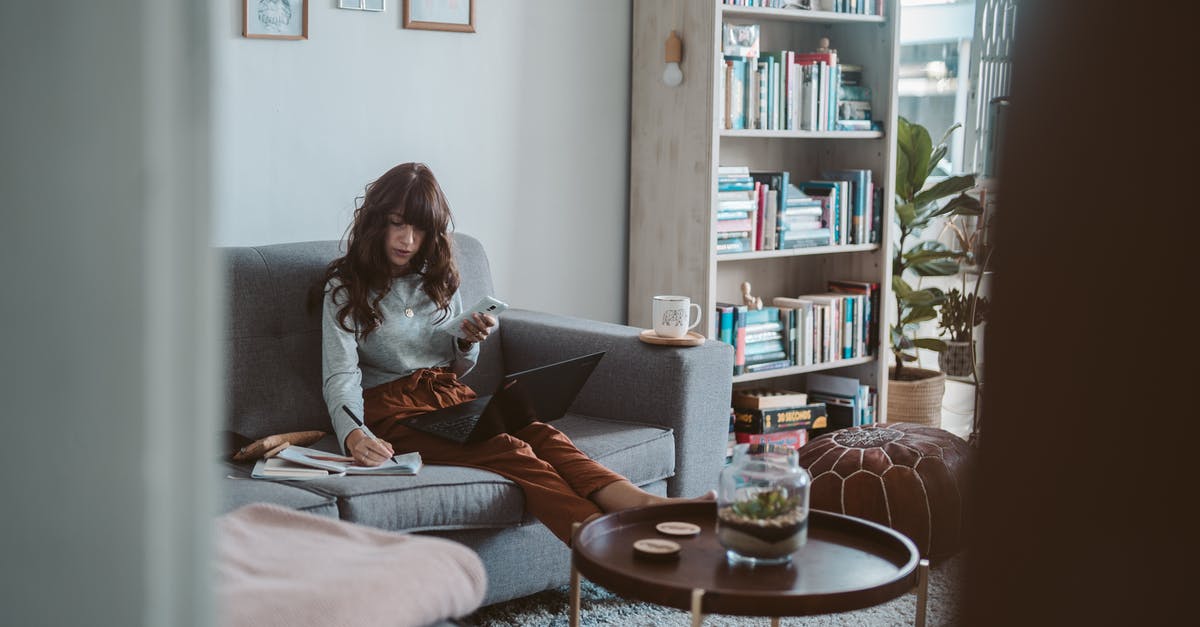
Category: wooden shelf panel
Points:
column 797, row 252
column 783, row 372
column 798, row 15
column 800, row 134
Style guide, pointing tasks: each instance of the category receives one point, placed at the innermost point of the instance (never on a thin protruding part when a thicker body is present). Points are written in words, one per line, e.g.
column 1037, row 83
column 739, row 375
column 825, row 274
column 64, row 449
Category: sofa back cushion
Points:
column 273, row 343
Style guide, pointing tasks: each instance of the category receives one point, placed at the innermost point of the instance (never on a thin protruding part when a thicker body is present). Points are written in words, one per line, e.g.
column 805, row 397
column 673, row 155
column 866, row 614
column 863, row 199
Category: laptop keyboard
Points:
column 454, row 428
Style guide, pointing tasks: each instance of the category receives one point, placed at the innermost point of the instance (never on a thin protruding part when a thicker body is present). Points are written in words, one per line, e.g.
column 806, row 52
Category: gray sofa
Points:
column 657, row 415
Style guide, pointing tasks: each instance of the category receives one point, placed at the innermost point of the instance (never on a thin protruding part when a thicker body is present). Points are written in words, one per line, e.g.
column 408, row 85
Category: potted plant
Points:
column 915, row 394
column 958, row 317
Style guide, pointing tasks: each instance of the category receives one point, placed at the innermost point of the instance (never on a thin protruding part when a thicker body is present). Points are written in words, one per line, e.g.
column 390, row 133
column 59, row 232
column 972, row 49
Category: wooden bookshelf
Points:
column 676, row 146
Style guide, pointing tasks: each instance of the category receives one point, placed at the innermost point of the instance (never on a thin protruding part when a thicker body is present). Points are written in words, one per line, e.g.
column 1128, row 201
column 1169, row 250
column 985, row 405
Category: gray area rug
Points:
column 602, row 608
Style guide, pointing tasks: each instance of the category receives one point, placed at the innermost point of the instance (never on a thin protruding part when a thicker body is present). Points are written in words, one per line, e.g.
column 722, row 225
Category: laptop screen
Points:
column 544, row 393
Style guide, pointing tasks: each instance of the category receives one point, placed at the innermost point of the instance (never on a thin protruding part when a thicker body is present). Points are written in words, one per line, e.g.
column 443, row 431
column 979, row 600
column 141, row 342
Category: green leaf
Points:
column 929, row 343
column 919, row 314
column 898, row 338
column 908, row 357
column 924, row 298
column 903, row 132
column 921, row 256
column 939, row 153
column 961, row 205
column 900, row 287
column 906, row 213
column 946, row 136
column 912, row 149
column 935, row 268
column 946, row 187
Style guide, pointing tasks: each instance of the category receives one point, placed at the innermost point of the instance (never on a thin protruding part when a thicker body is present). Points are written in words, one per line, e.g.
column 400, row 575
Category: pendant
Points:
column 408, row 312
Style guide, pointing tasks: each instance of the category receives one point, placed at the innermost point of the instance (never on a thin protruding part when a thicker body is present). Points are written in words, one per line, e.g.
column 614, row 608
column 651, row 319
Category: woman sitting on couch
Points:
column 385, row 358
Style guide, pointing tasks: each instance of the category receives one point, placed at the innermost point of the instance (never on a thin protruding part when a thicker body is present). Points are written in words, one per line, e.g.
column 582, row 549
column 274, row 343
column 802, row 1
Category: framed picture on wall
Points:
column 275, row 19
column 362, row 5
column 451, row 15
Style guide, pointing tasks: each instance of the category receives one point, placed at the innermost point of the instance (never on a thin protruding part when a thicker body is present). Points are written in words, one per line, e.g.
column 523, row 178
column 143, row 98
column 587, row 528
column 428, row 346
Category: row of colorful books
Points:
column 859, row 7
column 790, row 418
column 788, row 90
column 769, row 210
column 803, row 330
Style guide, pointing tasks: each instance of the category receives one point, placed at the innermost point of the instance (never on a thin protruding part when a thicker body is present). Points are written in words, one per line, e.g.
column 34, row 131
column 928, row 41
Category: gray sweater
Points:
column 398, row 347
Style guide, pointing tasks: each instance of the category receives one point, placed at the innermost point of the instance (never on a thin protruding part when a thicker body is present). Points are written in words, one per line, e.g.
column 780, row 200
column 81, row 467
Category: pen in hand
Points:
column 383, row 449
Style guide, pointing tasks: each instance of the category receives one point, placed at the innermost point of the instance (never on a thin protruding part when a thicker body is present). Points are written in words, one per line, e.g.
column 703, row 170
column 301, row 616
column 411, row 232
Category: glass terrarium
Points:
column 762, row 504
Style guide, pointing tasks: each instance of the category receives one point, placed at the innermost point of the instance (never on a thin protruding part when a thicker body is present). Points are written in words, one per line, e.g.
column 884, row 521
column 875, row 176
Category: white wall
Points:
column 525, row 123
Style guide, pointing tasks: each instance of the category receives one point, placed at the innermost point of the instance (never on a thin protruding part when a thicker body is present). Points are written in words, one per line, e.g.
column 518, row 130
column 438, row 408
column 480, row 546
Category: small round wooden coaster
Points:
column 656, row 548
column 676, row 528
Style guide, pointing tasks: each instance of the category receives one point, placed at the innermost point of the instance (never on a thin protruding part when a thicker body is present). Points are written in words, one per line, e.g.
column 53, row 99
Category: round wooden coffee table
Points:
column 848, row 563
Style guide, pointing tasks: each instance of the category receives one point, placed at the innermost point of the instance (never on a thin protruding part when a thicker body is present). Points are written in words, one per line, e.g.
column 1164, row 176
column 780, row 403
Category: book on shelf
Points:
column 829, row 194
column 725, row 323
column 767, row 398
column 869, row 290
column 778, row 418
column 733, row 214
column 781, row 361
column 776, row 183
column 859, row 183
column 842, row 397
column 794, row 438
column 405, row 464
column 763, row 336
column 734, row 245
column 728, row 225
column 768, row 347
column 276, row 468
column 806, row 238
column 737, row 333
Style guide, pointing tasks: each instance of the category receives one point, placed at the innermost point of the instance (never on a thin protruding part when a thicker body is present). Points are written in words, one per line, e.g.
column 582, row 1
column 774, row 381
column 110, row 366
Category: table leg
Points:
column 697, row 600
column 922, row 591
column 574, row 617
column 574, row 595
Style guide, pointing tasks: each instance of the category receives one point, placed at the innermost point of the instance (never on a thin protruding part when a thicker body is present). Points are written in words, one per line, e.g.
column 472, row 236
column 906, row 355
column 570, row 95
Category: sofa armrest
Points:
column 686, row 389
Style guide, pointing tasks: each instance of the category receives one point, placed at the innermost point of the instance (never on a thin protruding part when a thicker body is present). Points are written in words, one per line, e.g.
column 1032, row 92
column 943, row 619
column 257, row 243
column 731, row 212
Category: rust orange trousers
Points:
column 556, row 476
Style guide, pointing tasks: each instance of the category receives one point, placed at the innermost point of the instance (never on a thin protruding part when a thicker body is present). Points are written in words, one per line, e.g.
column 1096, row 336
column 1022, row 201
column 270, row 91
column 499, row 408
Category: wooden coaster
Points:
column 675, row 528
column 656, row 548
column 691, row 339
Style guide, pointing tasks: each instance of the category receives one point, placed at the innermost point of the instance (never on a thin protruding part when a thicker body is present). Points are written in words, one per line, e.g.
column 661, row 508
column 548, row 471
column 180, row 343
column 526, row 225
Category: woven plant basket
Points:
column 917, row 401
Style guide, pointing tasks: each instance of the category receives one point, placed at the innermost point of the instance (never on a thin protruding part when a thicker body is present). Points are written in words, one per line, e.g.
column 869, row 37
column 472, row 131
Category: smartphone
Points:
column 487, row 305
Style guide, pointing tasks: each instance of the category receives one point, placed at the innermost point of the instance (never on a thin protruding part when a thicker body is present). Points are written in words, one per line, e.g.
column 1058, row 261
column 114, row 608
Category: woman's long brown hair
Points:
column 411, row 190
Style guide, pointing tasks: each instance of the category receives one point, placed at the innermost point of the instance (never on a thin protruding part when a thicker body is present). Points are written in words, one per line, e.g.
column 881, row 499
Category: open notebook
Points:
column 302, row 462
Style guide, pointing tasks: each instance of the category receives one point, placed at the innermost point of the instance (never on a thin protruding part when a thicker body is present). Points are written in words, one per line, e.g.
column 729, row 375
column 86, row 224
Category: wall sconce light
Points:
column 672, row 75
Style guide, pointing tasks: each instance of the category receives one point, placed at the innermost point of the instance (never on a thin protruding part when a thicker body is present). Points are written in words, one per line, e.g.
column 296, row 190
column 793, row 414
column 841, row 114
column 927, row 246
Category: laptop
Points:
column 538, row 394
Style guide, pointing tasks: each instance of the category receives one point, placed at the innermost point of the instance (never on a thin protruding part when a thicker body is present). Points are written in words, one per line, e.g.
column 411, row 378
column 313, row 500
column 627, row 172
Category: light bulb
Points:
column 672, row 75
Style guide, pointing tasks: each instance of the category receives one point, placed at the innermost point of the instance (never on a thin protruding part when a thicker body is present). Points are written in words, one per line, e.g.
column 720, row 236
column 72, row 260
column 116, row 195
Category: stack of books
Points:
column 770, row 416
column 848, row 402
column 854, row 101
column 802, row 221
column 841, row 323
column 737, row 209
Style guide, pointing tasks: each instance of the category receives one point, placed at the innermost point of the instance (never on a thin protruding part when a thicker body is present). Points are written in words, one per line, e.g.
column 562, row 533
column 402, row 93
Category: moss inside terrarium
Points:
column 766, row 504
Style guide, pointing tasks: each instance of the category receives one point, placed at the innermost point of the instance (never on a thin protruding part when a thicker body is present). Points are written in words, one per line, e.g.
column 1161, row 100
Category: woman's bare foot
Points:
column 621, row 495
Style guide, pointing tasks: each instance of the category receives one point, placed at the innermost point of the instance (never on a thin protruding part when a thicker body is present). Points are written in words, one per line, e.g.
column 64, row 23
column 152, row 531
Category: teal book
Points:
column 759, row 316
column 765, row 347
column 725, row 323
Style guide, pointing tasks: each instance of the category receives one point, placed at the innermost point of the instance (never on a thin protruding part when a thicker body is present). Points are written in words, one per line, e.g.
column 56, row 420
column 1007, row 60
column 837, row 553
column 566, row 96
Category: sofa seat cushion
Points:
column 452, row 497
column 243, row 491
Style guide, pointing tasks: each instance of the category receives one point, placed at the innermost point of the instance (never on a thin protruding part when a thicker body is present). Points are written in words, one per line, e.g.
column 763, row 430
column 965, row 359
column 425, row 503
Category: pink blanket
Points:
column 278, row 566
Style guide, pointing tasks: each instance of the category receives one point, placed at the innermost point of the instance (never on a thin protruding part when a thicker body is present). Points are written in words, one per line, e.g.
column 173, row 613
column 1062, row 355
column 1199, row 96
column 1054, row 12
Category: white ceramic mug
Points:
column 673, row 316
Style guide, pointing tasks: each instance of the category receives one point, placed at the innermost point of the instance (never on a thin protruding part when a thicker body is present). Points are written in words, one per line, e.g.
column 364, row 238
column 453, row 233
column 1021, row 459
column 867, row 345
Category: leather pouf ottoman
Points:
column 909, row 477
